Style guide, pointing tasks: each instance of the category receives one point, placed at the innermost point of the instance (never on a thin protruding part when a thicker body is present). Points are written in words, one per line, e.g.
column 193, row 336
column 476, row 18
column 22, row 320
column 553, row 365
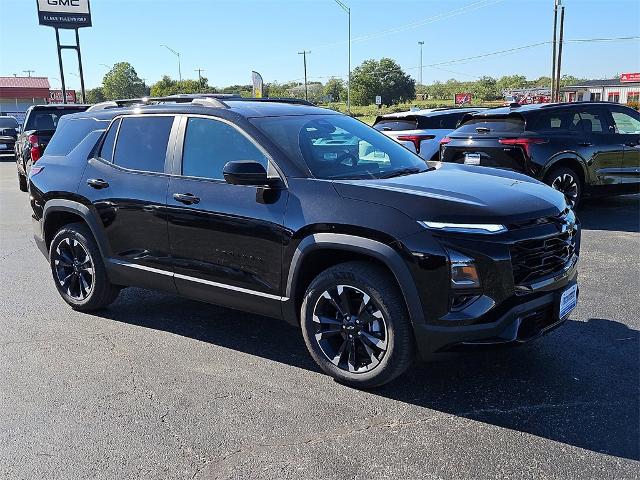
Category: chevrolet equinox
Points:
column 290, row 211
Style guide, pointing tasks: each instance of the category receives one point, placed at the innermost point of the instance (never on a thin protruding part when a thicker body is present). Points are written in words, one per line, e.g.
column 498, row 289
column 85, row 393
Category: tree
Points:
column 122, row 81
column 95, row 95
column 486, row 89
column 334, row 89
column 167, row 86
column 510, row 82
column 385, row 78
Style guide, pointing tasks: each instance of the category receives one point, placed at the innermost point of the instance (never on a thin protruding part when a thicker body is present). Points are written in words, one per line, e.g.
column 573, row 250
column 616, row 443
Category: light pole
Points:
column 304, row 56
column 421, row 43
column 177, row 55
column 348, row 10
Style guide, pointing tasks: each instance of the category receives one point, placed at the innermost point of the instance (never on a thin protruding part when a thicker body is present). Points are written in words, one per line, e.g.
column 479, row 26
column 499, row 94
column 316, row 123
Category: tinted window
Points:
column 592, row 121
column 47, row 118
column 210, row 144
column 497, row 124
column 8, row 122
column 447, row 121
column 338, row 146
column 70, row 133
column 625, row 123
column 106, row 151
column 142, row 143
column 557, row 121
column 395, row 124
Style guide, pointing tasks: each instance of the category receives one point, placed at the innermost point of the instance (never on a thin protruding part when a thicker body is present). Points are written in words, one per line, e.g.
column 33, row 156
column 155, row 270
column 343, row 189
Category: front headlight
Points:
column 482, row 228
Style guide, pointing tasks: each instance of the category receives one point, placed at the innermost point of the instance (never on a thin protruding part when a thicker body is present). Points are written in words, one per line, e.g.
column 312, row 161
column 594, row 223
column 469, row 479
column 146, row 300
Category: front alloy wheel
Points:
column 350, row 329
column 356, row 326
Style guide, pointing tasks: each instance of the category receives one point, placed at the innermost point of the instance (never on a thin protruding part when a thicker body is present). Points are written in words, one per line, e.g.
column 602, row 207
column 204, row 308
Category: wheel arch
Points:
column 320, row 251
column 60, row 212
column 570, row 161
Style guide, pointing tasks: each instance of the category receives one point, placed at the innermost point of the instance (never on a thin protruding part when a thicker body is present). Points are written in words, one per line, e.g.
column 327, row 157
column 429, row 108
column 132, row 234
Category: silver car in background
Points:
column 421, row 130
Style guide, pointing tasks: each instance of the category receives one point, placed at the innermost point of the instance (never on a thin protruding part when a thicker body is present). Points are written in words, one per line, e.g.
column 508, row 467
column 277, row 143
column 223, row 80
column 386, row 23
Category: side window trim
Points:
column 181, row 137
column 104, row 138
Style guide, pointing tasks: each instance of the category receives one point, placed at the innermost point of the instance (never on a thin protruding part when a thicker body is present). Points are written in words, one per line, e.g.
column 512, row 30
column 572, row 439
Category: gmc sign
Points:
column 64, row 13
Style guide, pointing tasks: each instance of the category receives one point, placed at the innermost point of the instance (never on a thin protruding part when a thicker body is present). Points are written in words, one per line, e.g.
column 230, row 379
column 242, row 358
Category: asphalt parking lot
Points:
column 162, row 387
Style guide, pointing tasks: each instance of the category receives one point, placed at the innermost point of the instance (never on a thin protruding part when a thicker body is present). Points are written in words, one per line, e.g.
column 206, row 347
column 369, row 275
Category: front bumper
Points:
column 536, row 315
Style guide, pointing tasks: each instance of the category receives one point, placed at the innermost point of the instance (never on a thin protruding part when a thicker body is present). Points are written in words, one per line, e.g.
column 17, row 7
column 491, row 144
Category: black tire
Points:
column 567, row 181
column 72, row 249
column 393, row 329
column 22, row 182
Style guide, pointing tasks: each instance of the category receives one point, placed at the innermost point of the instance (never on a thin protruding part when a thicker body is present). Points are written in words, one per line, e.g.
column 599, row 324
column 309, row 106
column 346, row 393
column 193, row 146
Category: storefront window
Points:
column 633, row 97
column 596, row 97
column 613, row 97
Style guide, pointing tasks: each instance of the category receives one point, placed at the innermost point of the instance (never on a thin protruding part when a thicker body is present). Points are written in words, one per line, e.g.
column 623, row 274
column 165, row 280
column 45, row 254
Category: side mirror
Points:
column 245, row 172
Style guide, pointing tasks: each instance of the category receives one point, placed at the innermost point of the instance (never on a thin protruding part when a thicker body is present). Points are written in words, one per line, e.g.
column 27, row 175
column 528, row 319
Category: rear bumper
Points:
column 523, row 322
column 38, row 236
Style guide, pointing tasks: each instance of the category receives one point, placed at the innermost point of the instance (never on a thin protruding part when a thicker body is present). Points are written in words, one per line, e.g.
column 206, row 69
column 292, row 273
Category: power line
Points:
column 418, row 23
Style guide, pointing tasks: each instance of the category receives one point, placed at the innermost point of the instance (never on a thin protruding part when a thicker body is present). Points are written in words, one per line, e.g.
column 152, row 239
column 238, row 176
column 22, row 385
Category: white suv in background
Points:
column 421, row 130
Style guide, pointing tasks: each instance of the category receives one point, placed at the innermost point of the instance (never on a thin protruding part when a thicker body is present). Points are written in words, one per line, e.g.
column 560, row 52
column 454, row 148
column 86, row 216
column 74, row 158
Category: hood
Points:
column 460, row 193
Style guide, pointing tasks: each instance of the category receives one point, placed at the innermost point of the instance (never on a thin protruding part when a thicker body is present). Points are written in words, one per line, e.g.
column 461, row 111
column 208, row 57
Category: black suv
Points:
column 39, row 125
column 8, row 133
column 590, row 148
column 292, row 211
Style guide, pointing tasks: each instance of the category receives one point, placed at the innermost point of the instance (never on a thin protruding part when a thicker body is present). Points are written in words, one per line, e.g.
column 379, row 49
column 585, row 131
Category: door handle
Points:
column 97, row 183
column 186, row 198
column 585, row 144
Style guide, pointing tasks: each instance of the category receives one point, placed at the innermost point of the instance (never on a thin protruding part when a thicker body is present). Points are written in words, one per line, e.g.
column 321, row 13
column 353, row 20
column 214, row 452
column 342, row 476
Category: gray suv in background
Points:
column 421, row 130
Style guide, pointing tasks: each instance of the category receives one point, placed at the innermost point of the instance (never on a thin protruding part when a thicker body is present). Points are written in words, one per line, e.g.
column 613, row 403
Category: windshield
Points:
column 8, row 122
column 47, row 119
column 339, row 147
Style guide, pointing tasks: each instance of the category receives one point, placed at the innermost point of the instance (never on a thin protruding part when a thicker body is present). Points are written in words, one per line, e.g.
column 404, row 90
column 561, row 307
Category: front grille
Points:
column 536, row 259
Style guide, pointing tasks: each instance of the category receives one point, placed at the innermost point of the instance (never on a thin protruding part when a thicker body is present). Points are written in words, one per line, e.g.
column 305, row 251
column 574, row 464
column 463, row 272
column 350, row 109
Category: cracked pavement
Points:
column 162, row 387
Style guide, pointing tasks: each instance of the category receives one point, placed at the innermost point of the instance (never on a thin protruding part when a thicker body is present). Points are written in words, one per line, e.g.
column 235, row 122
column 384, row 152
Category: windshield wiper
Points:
column 404, row 171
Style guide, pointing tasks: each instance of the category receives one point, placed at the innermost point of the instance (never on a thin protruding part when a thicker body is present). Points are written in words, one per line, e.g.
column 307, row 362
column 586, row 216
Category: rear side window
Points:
column 396, row 124
column 210, row 144
column 592, row 121
column 142, row 143
column 106, row 151
column 625, row 123
column 491, row 125
column 70, row 133
column 557, row 121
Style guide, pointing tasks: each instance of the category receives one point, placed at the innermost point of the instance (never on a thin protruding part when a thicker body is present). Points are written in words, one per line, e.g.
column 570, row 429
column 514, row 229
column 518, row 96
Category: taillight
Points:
column 445, row 140
column 415, row 139
column 523, row 142
column 36, row 151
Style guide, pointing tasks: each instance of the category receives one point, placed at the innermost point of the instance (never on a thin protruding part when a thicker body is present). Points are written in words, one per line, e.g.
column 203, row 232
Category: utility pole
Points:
column 558, row 70
column 554, row 47
column 348, row 10
column 304, row 57
column 29, row 72
column 199, row 70
column 421, row 43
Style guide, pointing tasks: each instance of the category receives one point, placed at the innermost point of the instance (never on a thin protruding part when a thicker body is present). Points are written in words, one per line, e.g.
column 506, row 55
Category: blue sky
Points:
column 228, row 39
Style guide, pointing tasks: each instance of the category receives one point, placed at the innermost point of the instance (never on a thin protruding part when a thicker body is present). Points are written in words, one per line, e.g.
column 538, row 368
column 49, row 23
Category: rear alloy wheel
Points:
column 567, row 181
column 78, row 270
column 355, row 325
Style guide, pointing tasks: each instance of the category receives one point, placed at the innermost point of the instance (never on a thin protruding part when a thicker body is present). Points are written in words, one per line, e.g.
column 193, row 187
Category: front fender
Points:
column 380, row 251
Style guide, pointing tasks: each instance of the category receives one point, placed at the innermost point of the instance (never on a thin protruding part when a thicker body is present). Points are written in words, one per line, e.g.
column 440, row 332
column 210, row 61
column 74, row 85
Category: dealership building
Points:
column 19, row 93
column 625, row 90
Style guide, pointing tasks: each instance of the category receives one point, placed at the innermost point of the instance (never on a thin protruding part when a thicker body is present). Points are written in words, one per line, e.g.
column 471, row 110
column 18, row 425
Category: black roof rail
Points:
column 295, row 101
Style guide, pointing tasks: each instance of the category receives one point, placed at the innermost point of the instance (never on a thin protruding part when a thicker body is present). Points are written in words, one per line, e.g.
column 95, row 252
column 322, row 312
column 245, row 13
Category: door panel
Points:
column 130, row 203
column 227, row 248
column 226, row 240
